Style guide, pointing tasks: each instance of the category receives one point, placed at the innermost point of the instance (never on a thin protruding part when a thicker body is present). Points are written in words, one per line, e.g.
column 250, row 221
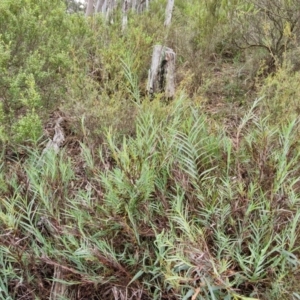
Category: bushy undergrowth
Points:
column 34, row 49
column 179, row 211
column 192, row 198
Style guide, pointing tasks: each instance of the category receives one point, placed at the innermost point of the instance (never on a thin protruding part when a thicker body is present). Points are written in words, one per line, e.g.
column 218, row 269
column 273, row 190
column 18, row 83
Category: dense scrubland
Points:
column 195, row 197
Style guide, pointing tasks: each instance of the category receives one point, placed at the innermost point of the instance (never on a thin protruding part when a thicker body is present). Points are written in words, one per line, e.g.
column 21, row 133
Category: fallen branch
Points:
column 58, row 138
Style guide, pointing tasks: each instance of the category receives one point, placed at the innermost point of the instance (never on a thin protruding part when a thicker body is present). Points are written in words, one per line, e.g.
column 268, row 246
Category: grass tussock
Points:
column 180, row 210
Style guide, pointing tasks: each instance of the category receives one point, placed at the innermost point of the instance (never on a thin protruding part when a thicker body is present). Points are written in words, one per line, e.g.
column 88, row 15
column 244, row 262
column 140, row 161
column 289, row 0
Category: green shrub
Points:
column 281, row 93
column 270, row 25
column 35, row 41
column 28, row 128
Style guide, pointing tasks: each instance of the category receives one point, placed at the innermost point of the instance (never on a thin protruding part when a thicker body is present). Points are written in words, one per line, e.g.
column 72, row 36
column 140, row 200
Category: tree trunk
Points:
column 142, row 5
column 169, row 11
column 104, row 7
column 134, row 5
column 99, row 5
column 126, row 6
column 162, row 72
column 89, row 8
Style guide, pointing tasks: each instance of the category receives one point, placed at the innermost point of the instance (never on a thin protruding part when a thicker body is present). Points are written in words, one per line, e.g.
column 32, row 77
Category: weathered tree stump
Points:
column 161, row 76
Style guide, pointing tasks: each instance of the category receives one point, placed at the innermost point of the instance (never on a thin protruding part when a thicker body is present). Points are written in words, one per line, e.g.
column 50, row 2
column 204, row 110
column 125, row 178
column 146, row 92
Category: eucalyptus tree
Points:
column 106, row 6
column 89, row 8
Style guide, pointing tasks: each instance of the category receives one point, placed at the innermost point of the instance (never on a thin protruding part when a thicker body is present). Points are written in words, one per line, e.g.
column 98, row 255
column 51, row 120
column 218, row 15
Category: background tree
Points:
column 272, row 25
column 168, row 13
column 89, row 8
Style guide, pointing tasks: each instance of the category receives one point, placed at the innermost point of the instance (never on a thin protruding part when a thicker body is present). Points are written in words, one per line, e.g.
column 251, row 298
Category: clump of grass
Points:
column 178, row 210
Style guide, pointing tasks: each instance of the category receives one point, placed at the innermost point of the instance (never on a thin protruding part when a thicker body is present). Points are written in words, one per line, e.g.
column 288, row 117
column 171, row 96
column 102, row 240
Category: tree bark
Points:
column 169, row 11
column 111, row 4
column 126, row 5
column 99, row 5
column 89, row 8
column 170, row 73
column 134, row 5
column 104, row 7
column 141, row 6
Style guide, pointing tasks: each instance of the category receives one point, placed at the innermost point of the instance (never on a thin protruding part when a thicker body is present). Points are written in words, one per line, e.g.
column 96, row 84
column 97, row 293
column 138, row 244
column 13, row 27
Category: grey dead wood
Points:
column 58, row 139
column 161, row 76
column 58, row 289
